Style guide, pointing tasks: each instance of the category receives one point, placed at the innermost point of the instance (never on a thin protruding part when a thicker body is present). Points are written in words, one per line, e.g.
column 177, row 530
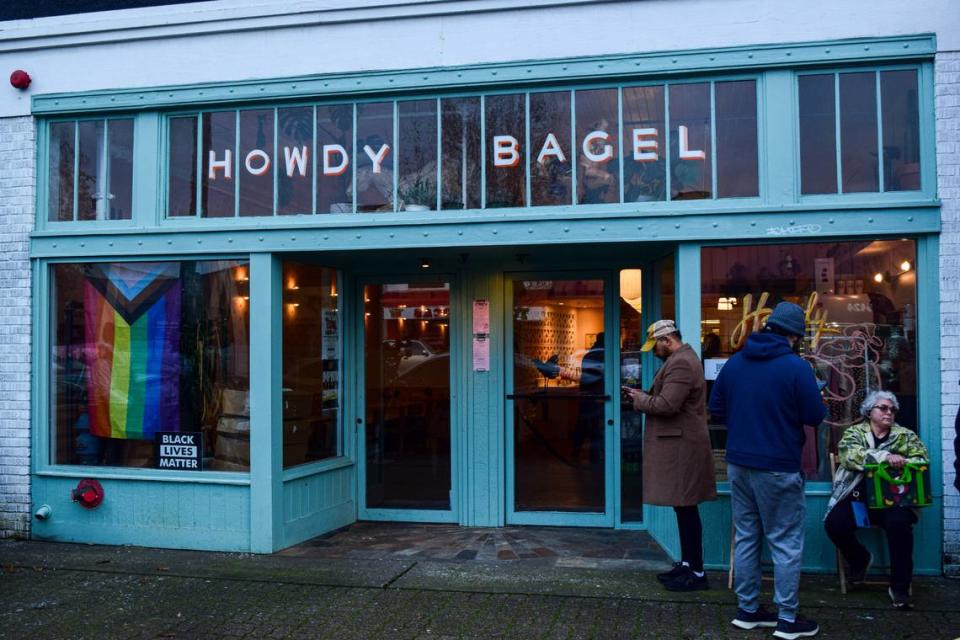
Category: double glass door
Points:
column 559, row 401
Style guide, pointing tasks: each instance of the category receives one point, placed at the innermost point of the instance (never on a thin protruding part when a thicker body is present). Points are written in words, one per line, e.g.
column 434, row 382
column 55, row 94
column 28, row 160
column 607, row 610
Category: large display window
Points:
column 149, row 365
column 311, row 363
column 861, row 301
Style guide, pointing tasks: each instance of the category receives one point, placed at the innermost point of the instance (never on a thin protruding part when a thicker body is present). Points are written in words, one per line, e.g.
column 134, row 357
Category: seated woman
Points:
column 877, row 439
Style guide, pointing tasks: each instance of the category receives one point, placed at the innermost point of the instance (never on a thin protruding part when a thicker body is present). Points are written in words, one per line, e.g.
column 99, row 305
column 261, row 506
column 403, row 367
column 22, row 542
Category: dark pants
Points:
column 691, row 536
column 896, row 522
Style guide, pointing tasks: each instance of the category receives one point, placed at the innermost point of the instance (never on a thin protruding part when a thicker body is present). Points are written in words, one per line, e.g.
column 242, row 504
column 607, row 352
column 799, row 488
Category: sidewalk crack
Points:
column 399, row 575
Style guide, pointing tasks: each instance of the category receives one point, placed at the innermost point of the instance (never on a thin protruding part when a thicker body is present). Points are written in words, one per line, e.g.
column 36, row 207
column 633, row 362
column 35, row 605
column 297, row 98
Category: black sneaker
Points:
column 859, row 574
column 900, row 599
column 799, row 628
column 678, row 569
column 687, row 581
column 759, row 618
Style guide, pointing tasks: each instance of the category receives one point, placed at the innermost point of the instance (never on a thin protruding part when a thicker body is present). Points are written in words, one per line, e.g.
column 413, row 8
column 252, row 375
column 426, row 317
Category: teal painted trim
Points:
column 687, row 287
column 177, row 515
column 930, row 418
column 42, row 164
column 409, row 515
column 713, row 140
column 148, row 175
column 266, row 407
column 528, row 197
column 611, row 382
column 493, row 75
column 143, row 474
column 534, row 227
column 236, row 164
column 483, row 156
column 838, row 132
column 40, row 379
column 483, row 496
column 928, row 131
column 316, row 468
column 396, row 156
column 778, row 146
column 880, row 152
column 560, row 519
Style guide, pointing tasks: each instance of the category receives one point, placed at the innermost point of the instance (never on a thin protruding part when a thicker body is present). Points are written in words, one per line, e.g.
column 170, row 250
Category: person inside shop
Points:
column 678, row 461
column 589, row 425
column 877, row 439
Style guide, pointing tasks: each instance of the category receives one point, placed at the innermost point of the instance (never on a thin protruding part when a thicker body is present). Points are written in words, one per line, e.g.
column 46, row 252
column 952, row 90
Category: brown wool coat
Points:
column 677, row 459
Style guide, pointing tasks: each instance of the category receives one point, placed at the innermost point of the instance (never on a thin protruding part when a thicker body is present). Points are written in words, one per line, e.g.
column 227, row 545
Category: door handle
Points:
column 610, row 422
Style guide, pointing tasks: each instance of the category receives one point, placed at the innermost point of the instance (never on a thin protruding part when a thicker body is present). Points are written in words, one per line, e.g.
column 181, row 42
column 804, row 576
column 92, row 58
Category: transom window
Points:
column 859, row 132
column 684, row 141
column 90, row 170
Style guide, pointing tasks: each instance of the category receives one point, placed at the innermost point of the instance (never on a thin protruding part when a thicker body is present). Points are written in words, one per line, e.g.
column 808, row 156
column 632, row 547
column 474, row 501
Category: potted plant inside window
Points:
column 416, row 193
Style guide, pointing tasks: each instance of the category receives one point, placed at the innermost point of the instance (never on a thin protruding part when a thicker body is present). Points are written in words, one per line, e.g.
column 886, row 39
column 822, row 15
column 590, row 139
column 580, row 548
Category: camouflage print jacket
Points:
column 857, row 447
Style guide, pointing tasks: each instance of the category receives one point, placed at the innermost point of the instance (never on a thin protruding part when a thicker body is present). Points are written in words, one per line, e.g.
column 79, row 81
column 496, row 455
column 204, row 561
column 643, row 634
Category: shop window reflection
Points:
column 335, row 154
column 295, row 141
column 861, row 301
column 818, row 134
column 60, row 163
column 146, row 347
column 311, row 363
column 506, row 158
column 858, row 132
column 736, row 120
column 257, row 154
column 901, row 130
column 407, row 394
column 644, row 136
column 460, row 146
column 375, row 157
column 218, row 174
column 690, row 151
column 417, row 144
column 598, row 152
column 550, row 160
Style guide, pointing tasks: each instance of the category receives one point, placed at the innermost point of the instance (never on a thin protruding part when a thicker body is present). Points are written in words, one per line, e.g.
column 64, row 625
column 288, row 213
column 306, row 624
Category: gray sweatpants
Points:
column 771, row 505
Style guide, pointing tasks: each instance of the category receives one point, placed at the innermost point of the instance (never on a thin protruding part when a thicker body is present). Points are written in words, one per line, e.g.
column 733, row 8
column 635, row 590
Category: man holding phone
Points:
column 677, row 458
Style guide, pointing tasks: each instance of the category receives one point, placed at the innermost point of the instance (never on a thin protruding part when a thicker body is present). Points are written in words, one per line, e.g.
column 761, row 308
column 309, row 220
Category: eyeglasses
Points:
column 885, row 408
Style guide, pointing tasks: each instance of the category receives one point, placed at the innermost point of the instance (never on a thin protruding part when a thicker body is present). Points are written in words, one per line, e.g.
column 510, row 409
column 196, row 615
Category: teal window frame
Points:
column 43, row 171
column 527, row 154
column 927, row 136
column 927, row 303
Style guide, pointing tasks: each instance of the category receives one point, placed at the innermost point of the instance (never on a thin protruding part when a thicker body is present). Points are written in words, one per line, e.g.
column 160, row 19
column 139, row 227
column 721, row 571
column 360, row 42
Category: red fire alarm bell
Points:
column 88, row 493
column 20, row 79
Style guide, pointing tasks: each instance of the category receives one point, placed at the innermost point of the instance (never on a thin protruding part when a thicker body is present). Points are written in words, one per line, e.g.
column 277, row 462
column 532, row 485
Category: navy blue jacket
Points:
column 765, row 393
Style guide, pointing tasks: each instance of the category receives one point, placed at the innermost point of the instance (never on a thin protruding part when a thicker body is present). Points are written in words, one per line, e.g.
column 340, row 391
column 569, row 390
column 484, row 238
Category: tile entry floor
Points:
column 554, row 545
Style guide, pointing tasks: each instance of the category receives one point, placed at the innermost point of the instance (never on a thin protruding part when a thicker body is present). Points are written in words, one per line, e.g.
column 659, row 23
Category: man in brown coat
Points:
column 677, row 458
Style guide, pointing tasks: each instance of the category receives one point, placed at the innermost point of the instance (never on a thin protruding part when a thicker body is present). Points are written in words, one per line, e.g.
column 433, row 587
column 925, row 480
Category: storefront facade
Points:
column 264, row 309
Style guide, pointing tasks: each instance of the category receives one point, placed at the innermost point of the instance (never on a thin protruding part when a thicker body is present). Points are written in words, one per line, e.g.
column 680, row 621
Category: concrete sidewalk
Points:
column 50, row 590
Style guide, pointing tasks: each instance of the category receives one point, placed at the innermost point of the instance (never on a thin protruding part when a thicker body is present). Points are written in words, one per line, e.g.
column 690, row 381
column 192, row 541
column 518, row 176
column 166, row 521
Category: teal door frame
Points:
column 611, row 323
column 451, row 515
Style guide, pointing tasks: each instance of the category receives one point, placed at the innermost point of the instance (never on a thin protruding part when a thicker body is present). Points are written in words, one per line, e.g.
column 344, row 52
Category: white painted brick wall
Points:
column 17, row 180
column 947, row 92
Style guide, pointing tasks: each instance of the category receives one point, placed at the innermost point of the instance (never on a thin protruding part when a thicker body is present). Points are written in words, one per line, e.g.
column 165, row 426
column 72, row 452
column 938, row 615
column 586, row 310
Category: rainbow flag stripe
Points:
column 133, row 382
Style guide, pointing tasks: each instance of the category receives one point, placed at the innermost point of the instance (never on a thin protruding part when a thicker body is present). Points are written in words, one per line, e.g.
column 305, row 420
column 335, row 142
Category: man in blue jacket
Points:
column 765, row 394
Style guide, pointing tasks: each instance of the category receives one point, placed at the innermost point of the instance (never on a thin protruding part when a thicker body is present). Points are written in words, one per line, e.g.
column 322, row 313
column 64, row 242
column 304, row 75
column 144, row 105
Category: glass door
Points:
column 559, row 439
column 406, row 462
